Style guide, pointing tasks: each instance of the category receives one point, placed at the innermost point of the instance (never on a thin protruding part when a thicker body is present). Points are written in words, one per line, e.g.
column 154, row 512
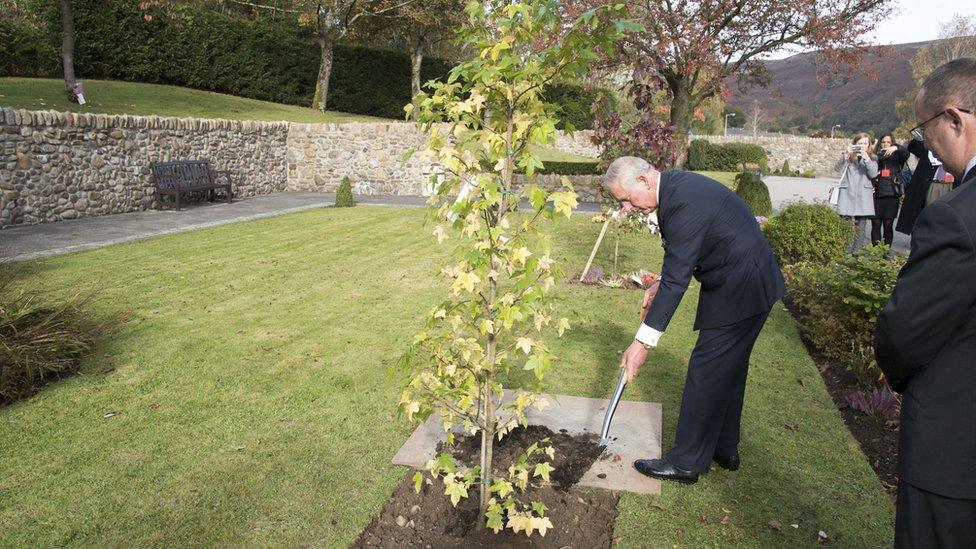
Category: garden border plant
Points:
column 485, row 124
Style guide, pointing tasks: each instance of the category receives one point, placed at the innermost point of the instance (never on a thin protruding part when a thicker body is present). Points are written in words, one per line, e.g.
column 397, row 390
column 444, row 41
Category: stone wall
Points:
column 580, row 143
column 56, row 166
column 320, row 155
column 804, row 153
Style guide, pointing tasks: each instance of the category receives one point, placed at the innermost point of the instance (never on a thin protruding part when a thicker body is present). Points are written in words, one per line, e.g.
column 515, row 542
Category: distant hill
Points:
column 796, row 99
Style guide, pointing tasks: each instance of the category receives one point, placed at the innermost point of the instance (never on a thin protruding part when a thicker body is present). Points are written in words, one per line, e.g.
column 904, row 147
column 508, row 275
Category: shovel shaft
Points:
column 612, row 407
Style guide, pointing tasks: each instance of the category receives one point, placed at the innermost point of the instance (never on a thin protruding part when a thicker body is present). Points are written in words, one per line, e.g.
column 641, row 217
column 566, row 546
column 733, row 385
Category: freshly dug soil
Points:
column 878, row 441
column 582, row 517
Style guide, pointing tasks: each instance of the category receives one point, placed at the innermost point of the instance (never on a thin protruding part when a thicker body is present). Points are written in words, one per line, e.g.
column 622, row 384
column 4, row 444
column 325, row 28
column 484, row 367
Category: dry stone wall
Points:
column 56, row 166
column 818, row 155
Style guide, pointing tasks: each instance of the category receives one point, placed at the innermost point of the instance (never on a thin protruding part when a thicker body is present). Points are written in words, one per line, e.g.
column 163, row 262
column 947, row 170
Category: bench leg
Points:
column 177, row 195
column 230, row 195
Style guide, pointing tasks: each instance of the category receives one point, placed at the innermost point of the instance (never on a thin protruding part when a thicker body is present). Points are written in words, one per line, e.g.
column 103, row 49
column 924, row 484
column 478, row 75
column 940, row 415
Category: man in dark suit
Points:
column 708, row 232
column 925, row 341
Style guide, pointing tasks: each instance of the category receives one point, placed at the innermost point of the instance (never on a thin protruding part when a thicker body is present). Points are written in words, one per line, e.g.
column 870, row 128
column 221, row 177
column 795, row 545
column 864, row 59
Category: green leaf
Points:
column 494, row 514
column 456, row 491
column 418, row 481
column 542, row 470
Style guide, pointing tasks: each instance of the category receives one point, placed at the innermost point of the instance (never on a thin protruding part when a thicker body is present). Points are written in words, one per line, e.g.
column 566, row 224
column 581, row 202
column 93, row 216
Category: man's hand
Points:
column 633, row 358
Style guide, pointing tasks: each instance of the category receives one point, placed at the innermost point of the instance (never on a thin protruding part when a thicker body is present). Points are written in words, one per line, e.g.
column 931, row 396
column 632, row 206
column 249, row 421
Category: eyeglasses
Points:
column 918, row 132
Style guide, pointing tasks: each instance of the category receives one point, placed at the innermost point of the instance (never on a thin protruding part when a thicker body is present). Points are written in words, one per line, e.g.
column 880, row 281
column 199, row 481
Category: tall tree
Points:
column 694, row 47
column 420, row 28
column 956, row 39
column 68, row 49
column 332, row 20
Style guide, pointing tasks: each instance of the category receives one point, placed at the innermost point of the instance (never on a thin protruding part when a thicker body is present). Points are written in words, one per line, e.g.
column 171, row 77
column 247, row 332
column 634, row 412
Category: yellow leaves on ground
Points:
column 519, row 522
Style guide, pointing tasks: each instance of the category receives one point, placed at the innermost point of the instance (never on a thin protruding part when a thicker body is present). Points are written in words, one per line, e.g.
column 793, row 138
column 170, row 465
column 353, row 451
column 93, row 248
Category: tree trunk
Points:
column 682, row 108
column 68, row 49
column 327, row 44
column 416, row 59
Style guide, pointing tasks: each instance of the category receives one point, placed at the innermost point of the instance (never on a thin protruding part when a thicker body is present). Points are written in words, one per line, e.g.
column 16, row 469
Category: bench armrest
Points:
column 226, row 175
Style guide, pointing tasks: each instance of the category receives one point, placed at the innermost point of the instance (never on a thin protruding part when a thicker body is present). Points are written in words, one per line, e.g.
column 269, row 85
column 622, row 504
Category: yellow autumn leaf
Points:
column 562, row 325
column 525, row 344
column 520, row 255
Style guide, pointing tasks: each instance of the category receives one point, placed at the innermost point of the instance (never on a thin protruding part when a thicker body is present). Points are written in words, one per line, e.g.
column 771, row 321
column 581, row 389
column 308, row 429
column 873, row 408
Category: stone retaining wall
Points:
column 804, row 153
column 56, row 166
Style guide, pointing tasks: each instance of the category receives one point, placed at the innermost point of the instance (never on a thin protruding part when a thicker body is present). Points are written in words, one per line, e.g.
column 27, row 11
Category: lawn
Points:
column 246, row 400
column 111, row 97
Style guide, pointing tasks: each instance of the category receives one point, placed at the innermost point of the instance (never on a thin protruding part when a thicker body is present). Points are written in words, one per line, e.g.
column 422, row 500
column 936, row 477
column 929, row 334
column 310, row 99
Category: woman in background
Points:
column 887, row 189
column 855, row 197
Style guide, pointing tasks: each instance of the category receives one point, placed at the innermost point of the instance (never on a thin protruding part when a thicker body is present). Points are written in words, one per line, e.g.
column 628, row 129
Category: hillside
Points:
column 796, row 98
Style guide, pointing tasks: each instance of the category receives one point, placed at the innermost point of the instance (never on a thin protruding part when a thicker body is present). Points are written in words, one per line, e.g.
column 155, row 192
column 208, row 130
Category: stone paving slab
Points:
column 635, row 434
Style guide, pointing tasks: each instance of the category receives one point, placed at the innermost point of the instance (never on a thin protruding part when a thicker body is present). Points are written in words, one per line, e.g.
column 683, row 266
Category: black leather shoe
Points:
column 730, row 462
column 663, row 469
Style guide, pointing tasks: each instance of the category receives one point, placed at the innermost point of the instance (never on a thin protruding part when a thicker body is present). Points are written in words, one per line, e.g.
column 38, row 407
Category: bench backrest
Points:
column 184, row 174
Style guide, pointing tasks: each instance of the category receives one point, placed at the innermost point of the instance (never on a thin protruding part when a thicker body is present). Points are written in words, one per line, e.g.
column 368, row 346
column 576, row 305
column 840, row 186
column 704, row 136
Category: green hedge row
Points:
column 198, row 47
column 706, row 156
column 570, row 168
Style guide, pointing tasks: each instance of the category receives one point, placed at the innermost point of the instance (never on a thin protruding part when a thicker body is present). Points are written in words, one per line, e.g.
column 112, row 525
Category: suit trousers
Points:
column 711, row 405
column 927, row 520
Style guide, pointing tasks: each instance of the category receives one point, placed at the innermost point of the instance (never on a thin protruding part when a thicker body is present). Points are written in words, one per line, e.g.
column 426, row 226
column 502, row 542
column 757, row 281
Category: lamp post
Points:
column 832, row 130
column 726, row 131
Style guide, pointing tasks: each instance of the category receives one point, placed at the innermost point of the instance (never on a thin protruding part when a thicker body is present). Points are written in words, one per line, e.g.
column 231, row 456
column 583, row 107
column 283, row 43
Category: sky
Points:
column 914, row 21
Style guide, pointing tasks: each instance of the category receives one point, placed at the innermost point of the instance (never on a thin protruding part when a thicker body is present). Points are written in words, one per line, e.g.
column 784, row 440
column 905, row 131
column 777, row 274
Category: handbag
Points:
column 834, row 197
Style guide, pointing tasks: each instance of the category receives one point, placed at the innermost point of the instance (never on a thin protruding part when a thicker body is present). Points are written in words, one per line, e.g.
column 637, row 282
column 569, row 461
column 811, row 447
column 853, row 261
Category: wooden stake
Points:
column 599, row 239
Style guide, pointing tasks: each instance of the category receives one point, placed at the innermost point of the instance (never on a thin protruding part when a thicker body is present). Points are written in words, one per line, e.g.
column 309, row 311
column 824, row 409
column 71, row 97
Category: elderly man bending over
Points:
column 708, row 232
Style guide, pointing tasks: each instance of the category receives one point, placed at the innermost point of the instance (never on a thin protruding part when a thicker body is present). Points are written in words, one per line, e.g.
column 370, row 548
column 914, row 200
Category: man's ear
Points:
column 954, row 118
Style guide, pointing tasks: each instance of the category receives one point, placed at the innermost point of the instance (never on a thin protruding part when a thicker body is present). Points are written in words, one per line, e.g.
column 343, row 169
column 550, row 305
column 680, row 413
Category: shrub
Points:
column 574, row 104
column 344, row 194
column 571, row 168
column 808, row 232
column 41, row 339
column 839, row 304
column 754, row 193
column 785, row 168
column 881, row 404
column 808, row 173
column 706, row 156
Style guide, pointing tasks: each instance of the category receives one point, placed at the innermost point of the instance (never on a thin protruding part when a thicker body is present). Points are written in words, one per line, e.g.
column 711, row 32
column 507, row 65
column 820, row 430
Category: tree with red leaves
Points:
column 691, row 48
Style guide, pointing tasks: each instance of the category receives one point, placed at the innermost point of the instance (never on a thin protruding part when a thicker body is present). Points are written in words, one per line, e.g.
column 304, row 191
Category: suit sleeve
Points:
column 933, row 296
column 687, row 226
column 917, row 148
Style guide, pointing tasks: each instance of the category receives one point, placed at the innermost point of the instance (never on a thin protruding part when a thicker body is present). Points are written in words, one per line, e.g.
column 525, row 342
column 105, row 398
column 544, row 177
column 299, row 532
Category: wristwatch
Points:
column 644, row 345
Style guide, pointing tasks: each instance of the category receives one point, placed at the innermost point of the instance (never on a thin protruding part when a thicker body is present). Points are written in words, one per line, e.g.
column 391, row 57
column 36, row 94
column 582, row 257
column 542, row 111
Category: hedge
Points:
column 197, row 47
column 754, row 192
column 706, row 156
column 570, row 168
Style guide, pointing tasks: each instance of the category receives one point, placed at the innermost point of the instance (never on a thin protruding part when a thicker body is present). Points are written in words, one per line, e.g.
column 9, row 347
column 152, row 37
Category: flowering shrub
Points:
column 881, row 404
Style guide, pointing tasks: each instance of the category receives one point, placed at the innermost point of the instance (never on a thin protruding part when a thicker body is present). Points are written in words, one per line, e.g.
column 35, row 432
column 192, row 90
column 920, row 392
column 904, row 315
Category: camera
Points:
column 857, row 148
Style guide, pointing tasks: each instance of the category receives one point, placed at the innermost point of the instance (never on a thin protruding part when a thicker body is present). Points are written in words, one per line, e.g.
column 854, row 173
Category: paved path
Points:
column 46, row 239
column 35, row 241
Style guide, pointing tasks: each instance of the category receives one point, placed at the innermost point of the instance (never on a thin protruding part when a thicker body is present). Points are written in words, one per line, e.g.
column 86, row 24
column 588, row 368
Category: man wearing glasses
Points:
column 925, row 341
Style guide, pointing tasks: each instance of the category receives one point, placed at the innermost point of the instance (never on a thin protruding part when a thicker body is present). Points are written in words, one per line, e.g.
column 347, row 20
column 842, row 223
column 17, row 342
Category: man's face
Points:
column 948, row 135
column 640, row 197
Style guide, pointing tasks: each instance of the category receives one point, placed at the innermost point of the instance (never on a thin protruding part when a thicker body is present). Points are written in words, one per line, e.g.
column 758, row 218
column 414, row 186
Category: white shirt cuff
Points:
column 648, row 335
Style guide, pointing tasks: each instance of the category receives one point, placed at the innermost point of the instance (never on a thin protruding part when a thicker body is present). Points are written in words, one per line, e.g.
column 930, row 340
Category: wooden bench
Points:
column 176, row 178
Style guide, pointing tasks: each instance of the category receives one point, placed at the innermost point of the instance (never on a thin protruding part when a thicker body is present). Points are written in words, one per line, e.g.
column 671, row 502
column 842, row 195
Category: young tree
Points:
column 485, row 123
column 755, row 118
column 694, row 47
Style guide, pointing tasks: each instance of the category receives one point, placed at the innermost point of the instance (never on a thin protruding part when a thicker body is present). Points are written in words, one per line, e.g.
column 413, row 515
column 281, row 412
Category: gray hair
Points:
column 624, row 171
column 952, row 82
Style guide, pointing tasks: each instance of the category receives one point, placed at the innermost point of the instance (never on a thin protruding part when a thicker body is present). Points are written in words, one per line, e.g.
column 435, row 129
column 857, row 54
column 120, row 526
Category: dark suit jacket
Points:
column 917, row 188
column 925, row 343
column 710, row 233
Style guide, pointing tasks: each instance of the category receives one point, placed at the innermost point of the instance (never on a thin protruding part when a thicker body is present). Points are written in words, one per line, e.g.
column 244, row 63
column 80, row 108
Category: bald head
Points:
column 952, row 84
